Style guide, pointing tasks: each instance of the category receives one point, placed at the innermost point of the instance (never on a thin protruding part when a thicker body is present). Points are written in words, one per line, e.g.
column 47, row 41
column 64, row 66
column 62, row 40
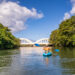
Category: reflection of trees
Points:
column 5, row 61
column 67, row 56
column 6, row 57
column 66, row 53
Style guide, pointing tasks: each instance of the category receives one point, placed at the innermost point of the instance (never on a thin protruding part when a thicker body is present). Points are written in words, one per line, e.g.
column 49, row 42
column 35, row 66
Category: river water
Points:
column 30, row 61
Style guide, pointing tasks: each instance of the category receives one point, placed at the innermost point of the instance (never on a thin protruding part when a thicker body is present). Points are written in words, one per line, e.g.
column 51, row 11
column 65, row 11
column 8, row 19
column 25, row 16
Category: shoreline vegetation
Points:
column 41, row 45
column 7, row 40
column 64, row 36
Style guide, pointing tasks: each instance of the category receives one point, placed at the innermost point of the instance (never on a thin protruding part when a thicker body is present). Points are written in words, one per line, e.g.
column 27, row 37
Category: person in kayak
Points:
column 47, row 49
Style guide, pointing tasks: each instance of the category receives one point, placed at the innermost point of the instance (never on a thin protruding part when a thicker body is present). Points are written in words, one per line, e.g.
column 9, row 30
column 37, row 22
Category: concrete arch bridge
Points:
column 25, row 41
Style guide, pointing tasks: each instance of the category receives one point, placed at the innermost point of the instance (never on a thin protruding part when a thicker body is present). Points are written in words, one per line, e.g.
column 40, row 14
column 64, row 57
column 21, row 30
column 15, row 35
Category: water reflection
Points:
column 30, row 61
column 31, row 50
column 67, row 56
column 47, row 61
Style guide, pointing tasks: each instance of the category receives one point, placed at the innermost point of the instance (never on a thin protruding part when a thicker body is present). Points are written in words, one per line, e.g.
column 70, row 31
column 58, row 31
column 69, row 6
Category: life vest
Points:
column 46, row 48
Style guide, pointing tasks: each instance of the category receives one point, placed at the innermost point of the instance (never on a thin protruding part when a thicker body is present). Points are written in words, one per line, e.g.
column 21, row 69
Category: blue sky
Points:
column 53, row 11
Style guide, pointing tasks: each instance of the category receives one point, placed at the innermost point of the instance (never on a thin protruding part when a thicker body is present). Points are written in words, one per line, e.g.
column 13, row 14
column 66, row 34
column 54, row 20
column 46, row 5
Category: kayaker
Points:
column 47, row 49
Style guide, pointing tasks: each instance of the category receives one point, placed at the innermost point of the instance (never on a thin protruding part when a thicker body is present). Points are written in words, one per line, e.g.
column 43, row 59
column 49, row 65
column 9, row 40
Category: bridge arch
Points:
column 43, row 41
column 25, row 41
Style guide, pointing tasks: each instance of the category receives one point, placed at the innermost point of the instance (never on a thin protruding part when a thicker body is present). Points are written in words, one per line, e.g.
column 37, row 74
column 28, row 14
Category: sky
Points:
column 34, row 19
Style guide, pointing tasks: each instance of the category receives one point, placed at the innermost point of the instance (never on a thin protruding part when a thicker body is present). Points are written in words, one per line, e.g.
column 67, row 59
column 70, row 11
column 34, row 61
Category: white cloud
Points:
column 66, row 16
column 71, row 12
column 15, row 16
column 73, row 1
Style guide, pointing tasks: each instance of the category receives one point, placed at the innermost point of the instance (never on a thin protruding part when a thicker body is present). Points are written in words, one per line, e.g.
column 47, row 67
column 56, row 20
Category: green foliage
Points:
column 65, row 34
column 7, row 40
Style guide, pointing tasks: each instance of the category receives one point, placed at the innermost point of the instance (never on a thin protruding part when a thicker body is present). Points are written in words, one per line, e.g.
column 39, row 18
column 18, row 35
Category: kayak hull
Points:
column 47, row 54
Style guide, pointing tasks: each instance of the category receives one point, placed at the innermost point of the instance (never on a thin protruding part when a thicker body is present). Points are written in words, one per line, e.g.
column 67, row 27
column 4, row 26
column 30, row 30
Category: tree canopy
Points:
column 65, row 34
column 7, row 40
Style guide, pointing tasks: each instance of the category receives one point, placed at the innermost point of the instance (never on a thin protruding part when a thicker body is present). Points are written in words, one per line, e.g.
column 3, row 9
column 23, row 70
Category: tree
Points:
column 65, row 34
column 7, row 40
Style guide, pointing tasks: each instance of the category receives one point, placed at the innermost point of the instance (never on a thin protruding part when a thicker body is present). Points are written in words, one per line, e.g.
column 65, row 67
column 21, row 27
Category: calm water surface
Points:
column 30, row 61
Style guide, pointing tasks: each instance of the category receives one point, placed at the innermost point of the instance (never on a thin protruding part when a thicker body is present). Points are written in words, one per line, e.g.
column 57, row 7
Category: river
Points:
column 30, row 61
